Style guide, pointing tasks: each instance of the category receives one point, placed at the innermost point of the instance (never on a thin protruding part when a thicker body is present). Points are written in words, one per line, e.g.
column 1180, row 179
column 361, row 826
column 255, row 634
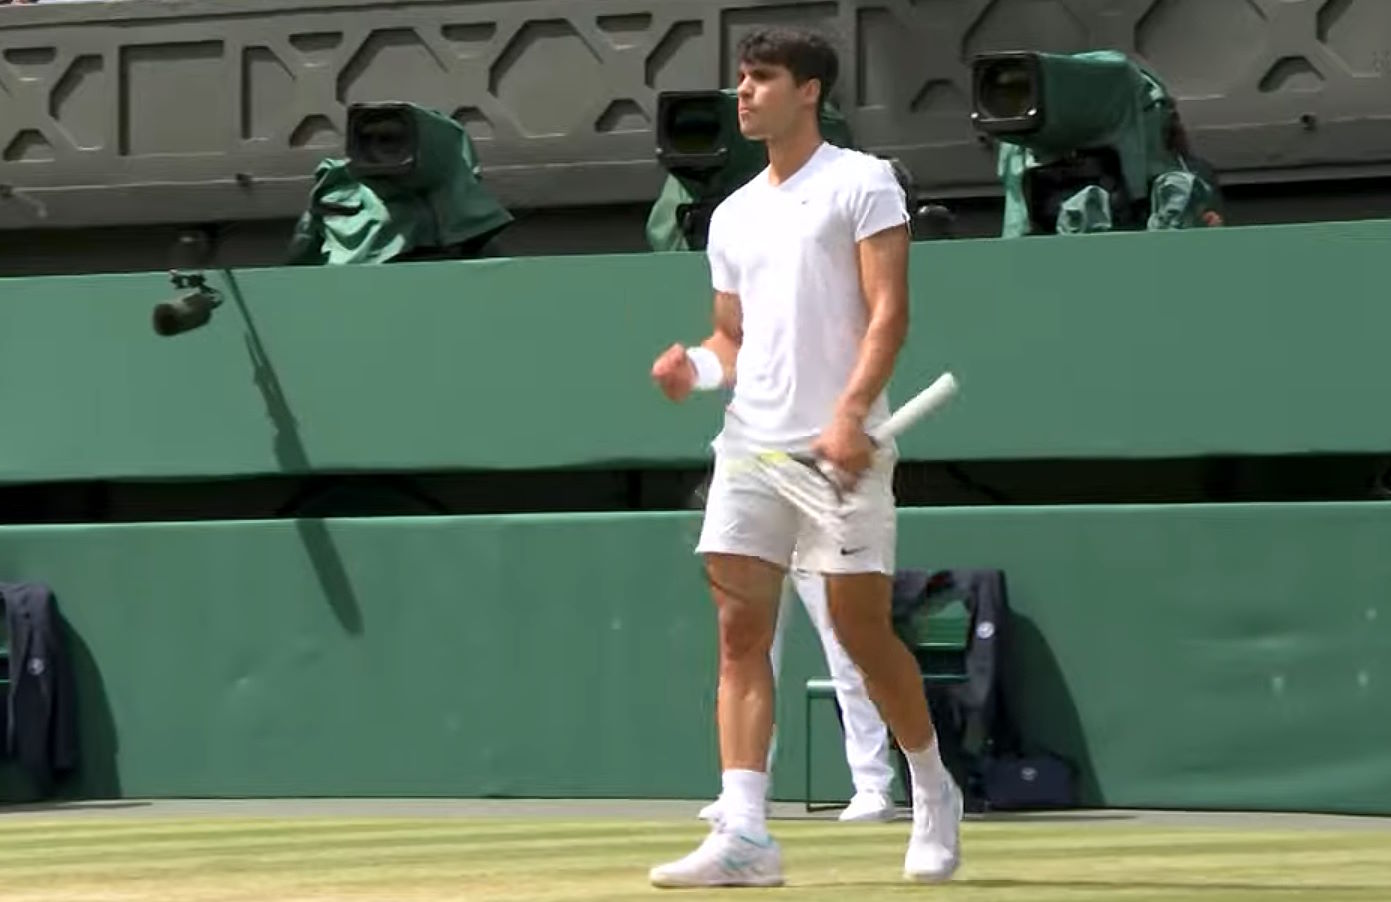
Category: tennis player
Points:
column 866, row 737
column 809, row 264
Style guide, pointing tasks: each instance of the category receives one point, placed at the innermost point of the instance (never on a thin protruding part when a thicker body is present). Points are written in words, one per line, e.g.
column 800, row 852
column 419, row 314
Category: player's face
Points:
column 770, row 100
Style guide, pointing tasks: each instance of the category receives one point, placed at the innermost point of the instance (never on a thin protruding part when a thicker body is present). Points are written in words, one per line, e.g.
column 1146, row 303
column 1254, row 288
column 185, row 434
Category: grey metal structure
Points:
column 157, row 113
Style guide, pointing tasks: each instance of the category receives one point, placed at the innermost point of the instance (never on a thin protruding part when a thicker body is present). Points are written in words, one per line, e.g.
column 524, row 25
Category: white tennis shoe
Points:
column 934, row 847
column 869, row 805
column 724, row 859
column 714, row 813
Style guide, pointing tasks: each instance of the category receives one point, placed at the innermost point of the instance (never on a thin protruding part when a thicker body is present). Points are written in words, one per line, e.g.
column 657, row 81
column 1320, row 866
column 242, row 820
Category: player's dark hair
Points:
column 804, row 53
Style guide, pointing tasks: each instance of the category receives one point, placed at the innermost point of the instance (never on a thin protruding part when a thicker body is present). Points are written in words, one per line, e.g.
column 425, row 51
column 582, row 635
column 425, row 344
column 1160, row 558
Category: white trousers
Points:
column 866, row 737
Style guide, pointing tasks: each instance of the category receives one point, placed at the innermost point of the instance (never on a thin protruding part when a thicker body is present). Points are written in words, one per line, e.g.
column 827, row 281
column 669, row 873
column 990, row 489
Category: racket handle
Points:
column 920, row 405
column 942, row 389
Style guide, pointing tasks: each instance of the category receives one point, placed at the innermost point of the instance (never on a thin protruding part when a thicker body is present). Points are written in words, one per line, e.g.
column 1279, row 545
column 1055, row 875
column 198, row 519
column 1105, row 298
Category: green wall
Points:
column 1203, row 656
column 1258, row 341
column 1195, row 656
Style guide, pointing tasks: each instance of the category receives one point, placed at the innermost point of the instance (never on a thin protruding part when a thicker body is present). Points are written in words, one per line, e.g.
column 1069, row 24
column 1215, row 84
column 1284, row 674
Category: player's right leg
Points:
column 746, row 540
column 713, row 812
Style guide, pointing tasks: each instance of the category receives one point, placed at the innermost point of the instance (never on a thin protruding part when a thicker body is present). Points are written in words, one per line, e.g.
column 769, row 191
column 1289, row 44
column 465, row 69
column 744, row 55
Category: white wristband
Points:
column 709, row 371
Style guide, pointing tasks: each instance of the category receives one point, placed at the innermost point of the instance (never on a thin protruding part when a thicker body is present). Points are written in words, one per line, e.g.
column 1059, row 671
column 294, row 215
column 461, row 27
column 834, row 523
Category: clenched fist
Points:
column 674, row 373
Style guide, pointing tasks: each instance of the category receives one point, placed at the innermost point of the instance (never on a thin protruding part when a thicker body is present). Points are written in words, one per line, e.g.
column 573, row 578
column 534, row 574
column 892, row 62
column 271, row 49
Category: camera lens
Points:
column 382, row 138
column 1007, row 90
column 693, row 126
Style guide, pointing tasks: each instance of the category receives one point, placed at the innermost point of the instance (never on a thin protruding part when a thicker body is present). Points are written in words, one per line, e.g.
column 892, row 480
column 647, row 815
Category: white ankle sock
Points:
column 926, row 768
column 745, row 792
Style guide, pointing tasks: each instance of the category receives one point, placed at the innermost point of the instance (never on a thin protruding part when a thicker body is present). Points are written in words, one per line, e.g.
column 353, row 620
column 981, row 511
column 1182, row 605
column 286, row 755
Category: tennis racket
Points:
column 927, row 401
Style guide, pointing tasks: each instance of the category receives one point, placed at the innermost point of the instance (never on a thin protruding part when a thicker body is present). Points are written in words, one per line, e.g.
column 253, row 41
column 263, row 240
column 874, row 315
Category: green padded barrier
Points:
column 1206, row 657
column 1126, row 345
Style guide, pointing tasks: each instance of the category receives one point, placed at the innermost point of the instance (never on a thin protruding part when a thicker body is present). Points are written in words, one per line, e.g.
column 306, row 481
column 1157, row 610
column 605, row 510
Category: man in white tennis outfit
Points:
column 809, row 262
column 866, row 736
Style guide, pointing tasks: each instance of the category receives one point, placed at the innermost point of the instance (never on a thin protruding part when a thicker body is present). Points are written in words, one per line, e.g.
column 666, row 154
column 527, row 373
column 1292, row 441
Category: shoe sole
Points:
column 716, row 817
column 765, row 882
column 887, row 814
column 932, row 877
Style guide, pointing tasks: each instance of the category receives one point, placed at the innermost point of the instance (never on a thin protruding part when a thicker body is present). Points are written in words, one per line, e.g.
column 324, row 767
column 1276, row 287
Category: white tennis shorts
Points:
column 778, row 509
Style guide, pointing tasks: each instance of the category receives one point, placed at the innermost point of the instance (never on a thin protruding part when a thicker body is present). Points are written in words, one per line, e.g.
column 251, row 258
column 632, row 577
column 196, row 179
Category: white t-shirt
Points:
column 789, row 253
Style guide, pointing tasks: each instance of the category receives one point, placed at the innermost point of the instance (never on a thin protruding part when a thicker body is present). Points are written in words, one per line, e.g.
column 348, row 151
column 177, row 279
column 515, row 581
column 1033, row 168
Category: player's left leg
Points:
column 860, row 605
column 857, row 557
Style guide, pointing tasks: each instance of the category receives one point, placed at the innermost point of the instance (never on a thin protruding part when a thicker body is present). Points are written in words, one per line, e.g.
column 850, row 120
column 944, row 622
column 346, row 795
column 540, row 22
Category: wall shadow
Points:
column 1038, row 702
column 98, row 742
column 290, row 454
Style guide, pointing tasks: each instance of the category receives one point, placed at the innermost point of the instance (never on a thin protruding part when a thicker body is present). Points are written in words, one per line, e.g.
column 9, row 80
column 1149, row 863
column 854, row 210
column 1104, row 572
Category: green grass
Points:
column 481, row 859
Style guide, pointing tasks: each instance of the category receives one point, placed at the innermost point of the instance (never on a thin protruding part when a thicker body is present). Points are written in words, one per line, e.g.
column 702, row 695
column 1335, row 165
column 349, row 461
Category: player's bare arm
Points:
column 728, row 333
column 677, row 374
column 883, row 270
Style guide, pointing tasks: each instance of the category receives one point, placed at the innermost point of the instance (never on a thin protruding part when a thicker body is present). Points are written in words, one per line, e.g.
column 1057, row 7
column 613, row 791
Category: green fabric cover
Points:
column 1103, row 99
column 376, row 220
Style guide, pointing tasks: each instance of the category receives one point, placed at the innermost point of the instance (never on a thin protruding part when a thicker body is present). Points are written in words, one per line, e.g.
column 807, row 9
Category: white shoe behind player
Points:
column 724, row 859
column 868, row 805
